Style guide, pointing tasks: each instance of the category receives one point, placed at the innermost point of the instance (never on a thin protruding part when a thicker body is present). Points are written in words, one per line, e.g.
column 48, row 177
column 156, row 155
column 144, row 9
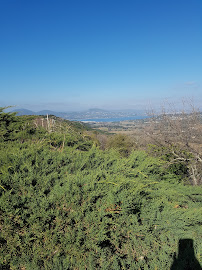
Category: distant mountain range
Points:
column 89, row 114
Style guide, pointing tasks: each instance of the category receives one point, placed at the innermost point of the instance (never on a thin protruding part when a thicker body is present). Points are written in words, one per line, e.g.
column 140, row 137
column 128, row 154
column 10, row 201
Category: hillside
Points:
column 67, row 204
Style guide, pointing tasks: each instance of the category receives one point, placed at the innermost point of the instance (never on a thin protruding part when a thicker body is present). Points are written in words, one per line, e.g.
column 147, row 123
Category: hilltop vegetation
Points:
column 67, row 204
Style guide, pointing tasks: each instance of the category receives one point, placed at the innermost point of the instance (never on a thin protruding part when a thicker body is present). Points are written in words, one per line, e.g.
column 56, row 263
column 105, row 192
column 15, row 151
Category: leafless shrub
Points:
column 179, row 134
column 103, row 139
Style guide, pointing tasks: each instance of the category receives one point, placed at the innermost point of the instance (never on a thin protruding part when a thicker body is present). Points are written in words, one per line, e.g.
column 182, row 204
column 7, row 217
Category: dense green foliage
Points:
column 65, row 204
column 123, row 144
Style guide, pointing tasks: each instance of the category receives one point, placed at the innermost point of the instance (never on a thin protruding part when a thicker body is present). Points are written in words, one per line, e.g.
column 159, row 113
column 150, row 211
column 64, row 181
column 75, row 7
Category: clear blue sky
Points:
column 112, row 54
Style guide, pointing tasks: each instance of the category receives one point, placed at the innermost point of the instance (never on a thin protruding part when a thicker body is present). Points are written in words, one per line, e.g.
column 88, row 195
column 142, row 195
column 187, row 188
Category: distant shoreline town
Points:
column 92, row 115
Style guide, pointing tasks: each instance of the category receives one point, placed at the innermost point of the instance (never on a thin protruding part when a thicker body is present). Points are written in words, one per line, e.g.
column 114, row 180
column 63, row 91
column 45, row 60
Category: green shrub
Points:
column 122, row 143
column 68, row 207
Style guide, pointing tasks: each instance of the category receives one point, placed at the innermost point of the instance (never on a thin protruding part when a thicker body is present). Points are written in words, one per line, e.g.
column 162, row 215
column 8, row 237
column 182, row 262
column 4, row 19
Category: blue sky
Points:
column 111, row 54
